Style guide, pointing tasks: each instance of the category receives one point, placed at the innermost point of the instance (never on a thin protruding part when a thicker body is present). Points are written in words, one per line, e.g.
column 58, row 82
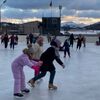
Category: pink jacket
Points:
column 23, row 60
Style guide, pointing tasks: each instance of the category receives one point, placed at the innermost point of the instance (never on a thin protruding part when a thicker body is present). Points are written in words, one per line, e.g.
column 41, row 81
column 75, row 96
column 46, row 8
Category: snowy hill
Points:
column 72, row 25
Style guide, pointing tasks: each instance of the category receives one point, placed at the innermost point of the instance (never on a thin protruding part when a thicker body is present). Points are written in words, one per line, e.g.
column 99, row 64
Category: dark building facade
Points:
column 51, row 25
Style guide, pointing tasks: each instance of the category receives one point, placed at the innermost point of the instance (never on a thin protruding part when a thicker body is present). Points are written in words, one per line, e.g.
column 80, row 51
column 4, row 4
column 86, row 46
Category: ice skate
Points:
column 52, row 87
column 31, row 83
column 25, row 91
column 18, row 95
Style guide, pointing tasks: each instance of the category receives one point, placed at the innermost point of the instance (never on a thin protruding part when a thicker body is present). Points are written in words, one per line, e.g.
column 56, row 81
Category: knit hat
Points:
column 53, row 43
column 56, row 43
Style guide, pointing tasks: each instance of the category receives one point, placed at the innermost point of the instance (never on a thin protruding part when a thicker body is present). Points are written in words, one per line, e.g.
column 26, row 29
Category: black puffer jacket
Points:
column 48, row 57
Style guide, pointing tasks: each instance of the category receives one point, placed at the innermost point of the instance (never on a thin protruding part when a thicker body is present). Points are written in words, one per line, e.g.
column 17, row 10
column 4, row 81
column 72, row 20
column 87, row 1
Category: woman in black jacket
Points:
column 48, row 57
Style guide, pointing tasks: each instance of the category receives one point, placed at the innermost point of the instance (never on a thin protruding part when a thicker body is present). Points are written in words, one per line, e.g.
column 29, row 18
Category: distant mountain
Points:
column 72, row 24
column 95, row 26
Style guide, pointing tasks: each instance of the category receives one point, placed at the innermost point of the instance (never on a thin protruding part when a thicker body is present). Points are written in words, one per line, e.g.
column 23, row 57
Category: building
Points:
column 51, row 25
column 30, row 27
column 25, row 28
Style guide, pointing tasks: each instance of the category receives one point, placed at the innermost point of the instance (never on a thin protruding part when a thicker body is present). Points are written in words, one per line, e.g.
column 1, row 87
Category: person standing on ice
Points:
column 79, row 41
column 66, row 47
column 18, row 64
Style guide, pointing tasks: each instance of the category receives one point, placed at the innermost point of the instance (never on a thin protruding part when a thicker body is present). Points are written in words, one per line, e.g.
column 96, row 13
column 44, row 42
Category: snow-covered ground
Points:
column 80, row 80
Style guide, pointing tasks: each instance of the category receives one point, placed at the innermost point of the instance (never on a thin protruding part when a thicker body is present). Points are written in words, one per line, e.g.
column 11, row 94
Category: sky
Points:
column 78, row 11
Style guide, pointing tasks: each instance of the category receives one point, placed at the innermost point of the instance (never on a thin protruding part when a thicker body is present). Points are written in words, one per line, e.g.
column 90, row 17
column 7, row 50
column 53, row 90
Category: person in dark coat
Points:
column 31, row 38
column 48, row 57
column 12, row 41
column 6, row 40
column 66, row 47
column 71, row 39
column 16, row 39
column 79, row 41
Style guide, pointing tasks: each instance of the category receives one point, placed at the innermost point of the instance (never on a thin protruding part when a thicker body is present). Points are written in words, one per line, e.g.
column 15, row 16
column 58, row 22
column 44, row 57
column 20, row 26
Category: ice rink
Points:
column 80, row 80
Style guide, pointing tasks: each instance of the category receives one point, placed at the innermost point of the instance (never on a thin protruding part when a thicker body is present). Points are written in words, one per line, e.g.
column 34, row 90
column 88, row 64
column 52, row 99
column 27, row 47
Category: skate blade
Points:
column 17, row 97
column 52, row 88
column 30, row 84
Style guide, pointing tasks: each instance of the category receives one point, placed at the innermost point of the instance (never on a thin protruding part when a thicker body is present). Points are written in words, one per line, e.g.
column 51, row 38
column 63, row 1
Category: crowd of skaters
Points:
column 31, row 38
column 5, row 39
column 69, row 42
column 39, row 60
column 80, row 40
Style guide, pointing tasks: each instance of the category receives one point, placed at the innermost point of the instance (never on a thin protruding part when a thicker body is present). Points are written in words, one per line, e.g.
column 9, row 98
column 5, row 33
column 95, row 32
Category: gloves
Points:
column 35, row 67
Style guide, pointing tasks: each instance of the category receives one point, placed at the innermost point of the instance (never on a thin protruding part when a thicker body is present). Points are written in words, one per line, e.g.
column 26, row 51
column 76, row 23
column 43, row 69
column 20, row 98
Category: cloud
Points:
column 35, row 8
column 89, row 13
column 68, row 4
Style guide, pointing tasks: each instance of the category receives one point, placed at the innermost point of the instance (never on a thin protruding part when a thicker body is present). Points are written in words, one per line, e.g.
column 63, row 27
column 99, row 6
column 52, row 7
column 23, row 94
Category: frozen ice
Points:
column 80, row 80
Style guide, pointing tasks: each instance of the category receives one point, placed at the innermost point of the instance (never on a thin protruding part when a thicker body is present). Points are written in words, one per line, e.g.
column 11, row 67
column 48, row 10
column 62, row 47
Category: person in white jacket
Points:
column 37, row 47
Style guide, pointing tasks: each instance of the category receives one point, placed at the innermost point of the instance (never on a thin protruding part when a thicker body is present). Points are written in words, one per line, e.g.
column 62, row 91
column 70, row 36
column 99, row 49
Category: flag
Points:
column 51, row 4
column 4, row 1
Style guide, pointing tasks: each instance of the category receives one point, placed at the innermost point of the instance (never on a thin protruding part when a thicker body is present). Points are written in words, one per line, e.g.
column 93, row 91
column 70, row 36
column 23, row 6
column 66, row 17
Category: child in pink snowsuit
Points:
column 18, row 73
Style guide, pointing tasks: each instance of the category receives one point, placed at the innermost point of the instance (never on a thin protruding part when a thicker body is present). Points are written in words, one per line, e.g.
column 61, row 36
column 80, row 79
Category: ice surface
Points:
column 80, row 80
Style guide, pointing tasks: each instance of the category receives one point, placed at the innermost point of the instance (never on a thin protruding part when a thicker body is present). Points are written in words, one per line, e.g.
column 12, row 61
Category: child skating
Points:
column 66, row 47
column 18, row 73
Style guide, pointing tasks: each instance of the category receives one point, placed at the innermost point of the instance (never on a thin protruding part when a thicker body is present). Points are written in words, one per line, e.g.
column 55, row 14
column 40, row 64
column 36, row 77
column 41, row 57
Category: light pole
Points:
column 60, row 8
column 0, row 14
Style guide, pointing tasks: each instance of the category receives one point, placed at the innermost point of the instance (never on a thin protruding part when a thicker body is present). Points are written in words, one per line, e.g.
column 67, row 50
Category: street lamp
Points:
column 60, row 8
column 0, row 14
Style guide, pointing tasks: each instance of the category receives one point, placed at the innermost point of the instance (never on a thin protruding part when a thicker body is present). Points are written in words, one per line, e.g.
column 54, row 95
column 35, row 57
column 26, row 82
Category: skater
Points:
column 6, row 40
column 71, row 39
column 18, row 73
column 27, row 39
column 48, row 57
column 58, row 42
column 12, row 41
column 2, row 38
column 37, row 47
column 84, row 41
column 16, row 40
column 79, row 41
column 31, row 38
column 66, row 47
column 49, row 37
